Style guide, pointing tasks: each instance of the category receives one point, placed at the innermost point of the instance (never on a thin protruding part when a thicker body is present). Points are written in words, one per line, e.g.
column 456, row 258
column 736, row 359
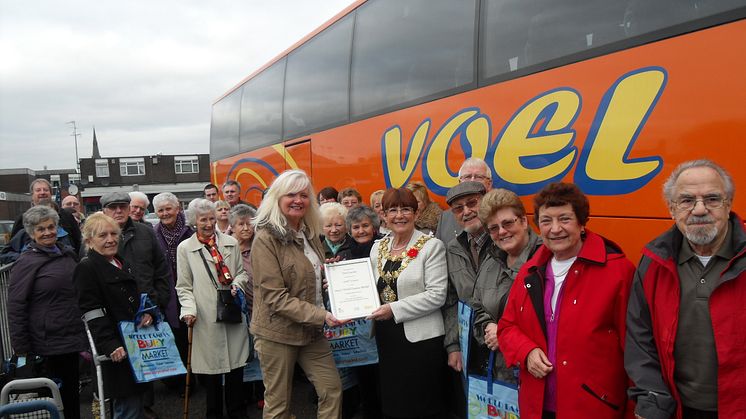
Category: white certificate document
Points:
column 352, row 288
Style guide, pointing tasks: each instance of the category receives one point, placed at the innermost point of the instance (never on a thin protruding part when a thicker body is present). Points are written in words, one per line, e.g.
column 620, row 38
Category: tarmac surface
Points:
column 170, row 405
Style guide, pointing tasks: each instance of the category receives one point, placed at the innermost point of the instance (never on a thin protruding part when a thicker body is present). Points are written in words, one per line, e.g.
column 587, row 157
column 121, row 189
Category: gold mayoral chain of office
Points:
column 388, row 295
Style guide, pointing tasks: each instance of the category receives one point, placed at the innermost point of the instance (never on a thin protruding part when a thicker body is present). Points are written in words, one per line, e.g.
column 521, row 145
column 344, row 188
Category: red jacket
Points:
column 653, row 322
column 591, row 381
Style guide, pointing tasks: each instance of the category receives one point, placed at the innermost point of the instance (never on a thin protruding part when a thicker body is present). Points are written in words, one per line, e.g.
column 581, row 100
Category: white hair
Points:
column 198, row 207
column 332, row 209
column 165, row 198
column 269, row 213
column 670, row 184
column 475, row 162
column 141, row 196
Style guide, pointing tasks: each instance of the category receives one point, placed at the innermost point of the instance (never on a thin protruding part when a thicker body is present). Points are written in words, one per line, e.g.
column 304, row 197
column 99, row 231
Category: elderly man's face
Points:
column 40, row 191
column 465, row 211
column 119, row 211
column 476, row 174
column 703, row 225
column 231, row 194
column 138, row 207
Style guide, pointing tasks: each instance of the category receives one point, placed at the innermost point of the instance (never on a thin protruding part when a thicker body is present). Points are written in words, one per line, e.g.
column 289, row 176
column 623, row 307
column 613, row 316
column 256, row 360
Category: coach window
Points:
column 410, row 51
column 224, row 126
column 317, row 81
column 261, row 108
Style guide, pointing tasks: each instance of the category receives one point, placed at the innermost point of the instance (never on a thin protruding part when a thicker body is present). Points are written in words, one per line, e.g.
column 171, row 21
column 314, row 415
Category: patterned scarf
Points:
column 224, row 275
column 171, row 236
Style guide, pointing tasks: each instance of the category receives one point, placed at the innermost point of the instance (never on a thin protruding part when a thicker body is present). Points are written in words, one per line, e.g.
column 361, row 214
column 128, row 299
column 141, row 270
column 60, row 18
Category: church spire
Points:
column 96, row 153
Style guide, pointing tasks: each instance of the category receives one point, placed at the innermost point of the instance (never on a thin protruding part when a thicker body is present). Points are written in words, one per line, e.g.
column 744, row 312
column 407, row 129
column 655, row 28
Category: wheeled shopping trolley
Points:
column 22, row 398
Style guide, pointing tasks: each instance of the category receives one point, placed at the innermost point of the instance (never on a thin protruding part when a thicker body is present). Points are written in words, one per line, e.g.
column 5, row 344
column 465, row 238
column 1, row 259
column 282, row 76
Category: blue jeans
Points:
column 128, row 407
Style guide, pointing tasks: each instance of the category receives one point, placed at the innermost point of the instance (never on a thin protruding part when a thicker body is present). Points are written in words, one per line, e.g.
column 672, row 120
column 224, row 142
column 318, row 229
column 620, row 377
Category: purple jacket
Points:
column 43, row 304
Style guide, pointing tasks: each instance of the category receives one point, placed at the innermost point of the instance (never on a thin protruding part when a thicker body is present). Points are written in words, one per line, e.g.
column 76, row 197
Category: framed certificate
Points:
column 352, row 288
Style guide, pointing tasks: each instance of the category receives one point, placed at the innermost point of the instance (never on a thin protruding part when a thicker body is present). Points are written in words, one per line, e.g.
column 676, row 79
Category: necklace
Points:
column 389, row 278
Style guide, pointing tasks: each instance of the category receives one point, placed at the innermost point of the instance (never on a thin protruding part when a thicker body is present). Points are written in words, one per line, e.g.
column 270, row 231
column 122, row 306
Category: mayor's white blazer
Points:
column 421, row 288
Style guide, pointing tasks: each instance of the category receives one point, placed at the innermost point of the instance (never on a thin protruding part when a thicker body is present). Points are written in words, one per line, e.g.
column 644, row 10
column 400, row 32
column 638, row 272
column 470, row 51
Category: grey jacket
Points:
column 461, row 281
column 494, row 282
column 448, row 228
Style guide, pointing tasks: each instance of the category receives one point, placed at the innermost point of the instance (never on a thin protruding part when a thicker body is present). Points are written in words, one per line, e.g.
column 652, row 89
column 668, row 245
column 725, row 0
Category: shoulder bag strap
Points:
column 207, row 267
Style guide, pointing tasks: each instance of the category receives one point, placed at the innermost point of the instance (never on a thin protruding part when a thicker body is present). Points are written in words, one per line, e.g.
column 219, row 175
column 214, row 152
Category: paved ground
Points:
column 169, row 405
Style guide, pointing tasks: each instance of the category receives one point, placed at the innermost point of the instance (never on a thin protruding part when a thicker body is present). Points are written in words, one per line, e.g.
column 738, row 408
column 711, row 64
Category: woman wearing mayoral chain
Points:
column 412, row 286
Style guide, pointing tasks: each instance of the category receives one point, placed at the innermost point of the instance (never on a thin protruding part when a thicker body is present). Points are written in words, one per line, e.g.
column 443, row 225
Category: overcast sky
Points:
column 144, row 73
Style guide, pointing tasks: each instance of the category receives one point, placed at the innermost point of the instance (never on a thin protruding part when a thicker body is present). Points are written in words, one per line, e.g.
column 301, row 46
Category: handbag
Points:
column 228, row 311
column 489, row 398
column 151, row 351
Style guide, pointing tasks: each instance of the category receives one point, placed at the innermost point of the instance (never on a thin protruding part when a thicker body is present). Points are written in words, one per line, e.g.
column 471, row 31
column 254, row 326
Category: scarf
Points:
column 224, row 275
column 334, row 247
column 171, row 237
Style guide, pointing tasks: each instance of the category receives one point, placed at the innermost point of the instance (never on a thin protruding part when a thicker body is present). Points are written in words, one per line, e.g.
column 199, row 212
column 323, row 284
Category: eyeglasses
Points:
column 506, row 225
column 688, row 203
column 471, row 204
column 400, row 210
column 473, row 177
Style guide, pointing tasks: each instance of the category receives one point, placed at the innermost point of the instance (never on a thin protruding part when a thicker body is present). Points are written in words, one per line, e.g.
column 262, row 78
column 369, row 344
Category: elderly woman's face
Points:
column 560, row 231
column 400, row 220
column 206, row 224
column 362, row 231
column 167, row 213
column 243, row 231
column 335, row 228
column 45, row 233
column 105, row 242
column 222, row 213
column 508, row 231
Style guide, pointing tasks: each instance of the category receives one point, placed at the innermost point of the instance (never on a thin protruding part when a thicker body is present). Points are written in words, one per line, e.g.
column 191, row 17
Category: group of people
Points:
column 567, row 318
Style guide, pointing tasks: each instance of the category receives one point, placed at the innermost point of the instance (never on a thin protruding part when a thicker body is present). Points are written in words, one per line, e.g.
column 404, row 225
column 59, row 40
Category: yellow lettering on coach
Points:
column 474, row 130
column 397, row 175
column 536, row 146
column 604, row 167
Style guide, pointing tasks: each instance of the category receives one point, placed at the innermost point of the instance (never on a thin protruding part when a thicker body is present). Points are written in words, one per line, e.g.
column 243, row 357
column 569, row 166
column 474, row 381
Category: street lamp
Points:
column 76, row 135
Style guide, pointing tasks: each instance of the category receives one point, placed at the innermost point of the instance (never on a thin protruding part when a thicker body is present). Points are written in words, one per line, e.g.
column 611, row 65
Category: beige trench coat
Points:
column 216, row 347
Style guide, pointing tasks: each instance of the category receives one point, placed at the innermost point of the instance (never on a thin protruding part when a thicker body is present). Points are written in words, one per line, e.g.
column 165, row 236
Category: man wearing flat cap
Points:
column 464, row 255
column 140, row 248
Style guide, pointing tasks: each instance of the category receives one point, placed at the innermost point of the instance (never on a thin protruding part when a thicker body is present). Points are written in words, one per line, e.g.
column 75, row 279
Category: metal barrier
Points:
column 6, row 351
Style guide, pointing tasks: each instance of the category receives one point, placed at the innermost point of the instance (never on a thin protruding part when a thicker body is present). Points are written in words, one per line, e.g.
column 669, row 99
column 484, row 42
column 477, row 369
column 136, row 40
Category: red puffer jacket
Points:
column 591, row 381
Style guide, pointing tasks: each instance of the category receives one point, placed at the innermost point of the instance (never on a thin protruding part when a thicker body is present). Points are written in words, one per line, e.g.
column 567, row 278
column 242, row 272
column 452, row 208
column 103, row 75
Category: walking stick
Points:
column 189, row 373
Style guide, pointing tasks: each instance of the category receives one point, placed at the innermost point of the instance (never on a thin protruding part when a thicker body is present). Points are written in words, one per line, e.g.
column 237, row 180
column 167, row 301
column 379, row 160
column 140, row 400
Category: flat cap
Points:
column 463, row 189
column 115, row 198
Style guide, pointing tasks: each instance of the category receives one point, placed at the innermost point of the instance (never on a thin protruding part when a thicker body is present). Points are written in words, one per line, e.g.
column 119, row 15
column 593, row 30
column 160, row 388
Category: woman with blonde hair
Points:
column 513, row 243
column 287, row 258
column 428, row 211
column 375, row 203
column 108, row 294
column 222, row 211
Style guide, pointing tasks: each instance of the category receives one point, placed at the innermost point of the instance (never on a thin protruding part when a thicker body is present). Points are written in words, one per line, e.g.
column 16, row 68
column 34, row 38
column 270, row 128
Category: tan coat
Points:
column 285, row 308
column 216, row 347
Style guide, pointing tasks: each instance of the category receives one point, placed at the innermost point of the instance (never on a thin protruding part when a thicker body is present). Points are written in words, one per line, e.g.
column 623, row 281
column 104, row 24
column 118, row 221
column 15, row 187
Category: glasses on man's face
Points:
column 506, row 225
column 473, row 177
column 470, row 203
column 400, row 210
column 688, row 203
